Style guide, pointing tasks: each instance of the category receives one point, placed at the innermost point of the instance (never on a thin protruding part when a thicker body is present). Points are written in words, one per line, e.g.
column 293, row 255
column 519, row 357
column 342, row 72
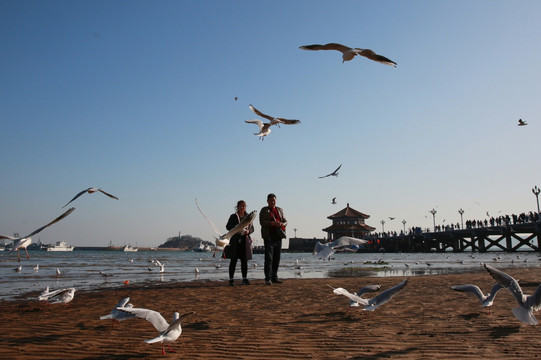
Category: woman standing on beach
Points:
column 240, row 244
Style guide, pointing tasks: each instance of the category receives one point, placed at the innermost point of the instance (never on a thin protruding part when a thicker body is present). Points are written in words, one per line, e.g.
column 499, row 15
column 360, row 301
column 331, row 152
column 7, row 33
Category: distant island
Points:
column 184, row 243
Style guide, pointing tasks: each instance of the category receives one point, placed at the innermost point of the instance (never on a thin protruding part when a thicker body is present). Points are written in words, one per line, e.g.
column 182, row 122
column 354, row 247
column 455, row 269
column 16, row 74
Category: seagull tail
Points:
column 524, row 315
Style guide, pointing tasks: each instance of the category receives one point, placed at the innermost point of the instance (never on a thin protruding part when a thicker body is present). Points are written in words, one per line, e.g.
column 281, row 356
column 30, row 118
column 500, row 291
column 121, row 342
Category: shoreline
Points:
column 299, row 319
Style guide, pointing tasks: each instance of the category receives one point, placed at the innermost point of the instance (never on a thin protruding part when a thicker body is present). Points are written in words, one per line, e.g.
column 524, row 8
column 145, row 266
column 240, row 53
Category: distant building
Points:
column 348, row 222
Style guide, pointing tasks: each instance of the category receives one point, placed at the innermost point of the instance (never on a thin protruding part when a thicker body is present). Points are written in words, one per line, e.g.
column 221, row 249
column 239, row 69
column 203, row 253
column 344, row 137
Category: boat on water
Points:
column 202, row 248
column 129, row 248
column 60, row 246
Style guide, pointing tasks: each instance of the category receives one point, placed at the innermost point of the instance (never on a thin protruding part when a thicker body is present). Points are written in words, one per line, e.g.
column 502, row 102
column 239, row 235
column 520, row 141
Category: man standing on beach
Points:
column 273, row 230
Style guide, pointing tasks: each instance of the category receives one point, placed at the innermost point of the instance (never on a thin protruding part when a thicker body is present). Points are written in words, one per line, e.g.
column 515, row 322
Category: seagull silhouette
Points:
column 22, row 243
column 349, row 53
column 334, row 173
column 522, row 122
column 333, row 201
column 91, row 190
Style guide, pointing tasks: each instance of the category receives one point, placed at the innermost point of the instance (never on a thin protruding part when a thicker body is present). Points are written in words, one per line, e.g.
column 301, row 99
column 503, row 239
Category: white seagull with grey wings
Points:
column 527, row 303
column 168, row 332
column 223, row 240
column 22, row 243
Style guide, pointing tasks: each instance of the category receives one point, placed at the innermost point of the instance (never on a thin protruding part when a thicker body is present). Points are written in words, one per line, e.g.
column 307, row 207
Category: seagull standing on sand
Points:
column 375, row 302
column 91, row 190
column 486, row 300
column 527, row 303
column 327, row 249
column 334, row 173
column 168, row 332
column 349, row 53
column 22, row 243
column 117, row 315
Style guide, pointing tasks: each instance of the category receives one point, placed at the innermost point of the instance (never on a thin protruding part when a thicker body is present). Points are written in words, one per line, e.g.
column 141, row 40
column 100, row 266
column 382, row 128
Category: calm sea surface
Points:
column 81, row 269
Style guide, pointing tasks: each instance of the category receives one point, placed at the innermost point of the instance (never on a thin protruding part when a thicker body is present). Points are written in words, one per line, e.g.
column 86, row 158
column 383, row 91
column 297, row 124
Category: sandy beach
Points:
column 299, row 319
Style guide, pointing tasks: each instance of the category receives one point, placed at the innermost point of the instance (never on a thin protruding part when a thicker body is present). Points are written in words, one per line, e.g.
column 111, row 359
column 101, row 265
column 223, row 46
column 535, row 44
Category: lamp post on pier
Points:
column 461, row 212
column 536, row 191
column 383, row 226
column 295, row 230
column 433, row 212
column 404, row 223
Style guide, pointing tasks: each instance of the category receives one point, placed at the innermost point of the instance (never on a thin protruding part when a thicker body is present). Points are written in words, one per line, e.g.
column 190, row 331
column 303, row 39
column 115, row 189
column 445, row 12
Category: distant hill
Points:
column 185, row 242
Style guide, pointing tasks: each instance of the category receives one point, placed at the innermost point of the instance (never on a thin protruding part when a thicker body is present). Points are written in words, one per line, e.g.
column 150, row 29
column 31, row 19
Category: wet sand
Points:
column 299, row 319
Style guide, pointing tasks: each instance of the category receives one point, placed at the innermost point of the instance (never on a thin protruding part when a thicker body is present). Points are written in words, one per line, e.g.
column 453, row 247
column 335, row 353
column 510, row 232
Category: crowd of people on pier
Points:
column 503, row 220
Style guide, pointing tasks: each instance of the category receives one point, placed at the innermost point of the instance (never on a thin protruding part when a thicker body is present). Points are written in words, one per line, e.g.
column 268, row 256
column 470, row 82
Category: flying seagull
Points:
column 527, row 303
column 168, row 332
column 522, row 122
column 223, row 240
column 274, row 120
column 375, row 302
column 264, row 128
column 117, row 315
column 334, row 173
column 486, row 300
column 333, row 201
column 91, row 190
column 22, row 243
column 327, row 249
column 349, row 53
column 364, row 290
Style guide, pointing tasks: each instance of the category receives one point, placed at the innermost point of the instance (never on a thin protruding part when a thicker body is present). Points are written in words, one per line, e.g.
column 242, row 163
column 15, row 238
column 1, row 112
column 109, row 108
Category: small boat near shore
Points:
column 128, row 248
column 60, row 246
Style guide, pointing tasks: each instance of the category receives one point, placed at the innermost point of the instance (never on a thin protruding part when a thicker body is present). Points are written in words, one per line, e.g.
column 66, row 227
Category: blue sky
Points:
column 137, row 98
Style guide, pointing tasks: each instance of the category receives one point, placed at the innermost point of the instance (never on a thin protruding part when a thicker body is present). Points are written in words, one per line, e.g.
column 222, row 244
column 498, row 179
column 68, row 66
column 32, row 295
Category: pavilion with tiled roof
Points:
column 348, row 222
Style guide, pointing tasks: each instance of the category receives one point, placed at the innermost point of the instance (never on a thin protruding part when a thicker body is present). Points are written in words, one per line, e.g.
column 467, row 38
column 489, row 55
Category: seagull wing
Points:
column 329, row 46
column 353, row 297
column 508, row 282
column 322, row 250
column 208, row 220
column 76, row 196
column 335, row 172
column 52, row 222
column 367, row 289
column 346, row 241
column 288, row 121
column 534, row 301
column 268, row 117
column 474, row 289
column 258, row 122
column 247, row 221
column 7, row 237
column 154, row 317
column 370, row 54
column 385, row 296
column 111, row 196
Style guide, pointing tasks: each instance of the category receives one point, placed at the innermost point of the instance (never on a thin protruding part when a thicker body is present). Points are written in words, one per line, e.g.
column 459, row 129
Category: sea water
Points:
column 81, row 269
